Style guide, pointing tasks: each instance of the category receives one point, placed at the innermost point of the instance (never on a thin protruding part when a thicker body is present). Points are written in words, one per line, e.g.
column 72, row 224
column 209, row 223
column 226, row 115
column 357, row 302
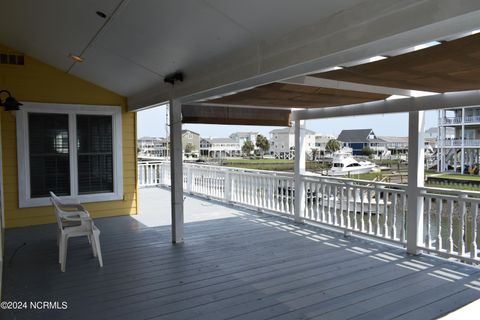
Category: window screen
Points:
column 49, row 158
column 95, row 154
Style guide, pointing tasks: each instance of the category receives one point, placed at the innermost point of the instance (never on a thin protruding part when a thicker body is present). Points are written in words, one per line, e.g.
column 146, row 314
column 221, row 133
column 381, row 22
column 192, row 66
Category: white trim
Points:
column 431, row 102
column 345, row 85
column 24, row 198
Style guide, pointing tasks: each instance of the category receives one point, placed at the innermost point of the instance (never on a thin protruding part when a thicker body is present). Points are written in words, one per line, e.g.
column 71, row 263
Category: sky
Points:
column 151, row 123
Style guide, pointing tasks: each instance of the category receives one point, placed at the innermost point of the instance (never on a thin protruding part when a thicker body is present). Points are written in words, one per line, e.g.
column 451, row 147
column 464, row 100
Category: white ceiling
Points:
column 147, row 39
column 141, row 41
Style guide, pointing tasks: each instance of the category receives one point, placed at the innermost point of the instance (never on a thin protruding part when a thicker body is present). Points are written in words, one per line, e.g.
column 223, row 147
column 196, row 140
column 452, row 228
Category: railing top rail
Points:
column 233, row 169
column 315, row 177
column 450, row 192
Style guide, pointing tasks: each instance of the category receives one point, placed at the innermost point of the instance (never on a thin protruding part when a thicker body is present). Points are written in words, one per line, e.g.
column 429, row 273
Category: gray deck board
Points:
column 235, row 264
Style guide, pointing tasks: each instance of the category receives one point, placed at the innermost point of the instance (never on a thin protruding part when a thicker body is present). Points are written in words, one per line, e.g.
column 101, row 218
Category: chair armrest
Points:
column 72, row 207
column 68, row 202
column 71, row 214
column 78, row 218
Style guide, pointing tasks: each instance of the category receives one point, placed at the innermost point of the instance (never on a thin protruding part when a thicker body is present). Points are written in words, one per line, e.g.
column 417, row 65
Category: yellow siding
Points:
column 39, row 82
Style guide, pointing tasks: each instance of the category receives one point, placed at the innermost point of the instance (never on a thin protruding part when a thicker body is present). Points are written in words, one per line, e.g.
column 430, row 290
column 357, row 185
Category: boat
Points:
column 343, row 164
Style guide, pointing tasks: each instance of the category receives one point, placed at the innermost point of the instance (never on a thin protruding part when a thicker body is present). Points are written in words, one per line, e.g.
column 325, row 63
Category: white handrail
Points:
column 374, row 208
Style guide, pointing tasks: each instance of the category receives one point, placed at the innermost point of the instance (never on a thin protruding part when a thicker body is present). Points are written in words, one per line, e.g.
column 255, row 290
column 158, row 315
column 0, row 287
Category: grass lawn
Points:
column 454, row 187
column 269, row 164
column 252, row 161
column 459, row 177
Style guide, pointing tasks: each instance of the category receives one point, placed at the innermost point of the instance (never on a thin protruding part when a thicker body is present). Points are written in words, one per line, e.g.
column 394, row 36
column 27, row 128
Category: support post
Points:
column 176, row 170
column 440, row 141
column 416, row 167
column 462, row 156
column 299, row 204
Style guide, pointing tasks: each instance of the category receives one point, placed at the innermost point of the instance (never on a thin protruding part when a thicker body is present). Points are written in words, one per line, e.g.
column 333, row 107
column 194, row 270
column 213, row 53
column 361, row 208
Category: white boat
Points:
column 357, row 204
column 343, row 164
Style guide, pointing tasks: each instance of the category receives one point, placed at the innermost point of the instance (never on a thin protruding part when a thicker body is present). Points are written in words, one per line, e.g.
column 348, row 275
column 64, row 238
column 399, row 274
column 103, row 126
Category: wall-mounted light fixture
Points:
column 10, row 103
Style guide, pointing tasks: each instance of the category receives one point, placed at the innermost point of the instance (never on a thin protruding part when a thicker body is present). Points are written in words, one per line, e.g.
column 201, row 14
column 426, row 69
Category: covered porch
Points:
column 212, row 63
column 235, row 263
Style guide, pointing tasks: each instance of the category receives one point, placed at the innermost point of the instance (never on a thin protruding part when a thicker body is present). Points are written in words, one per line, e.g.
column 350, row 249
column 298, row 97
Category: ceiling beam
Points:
column 433, row 102
column 344, row 85
column 370, row 29
column 235, row 116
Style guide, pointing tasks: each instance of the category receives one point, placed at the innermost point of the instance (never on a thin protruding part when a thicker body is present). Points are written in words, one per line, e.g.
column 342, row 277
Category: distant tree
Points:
column 332, row 145
column 189, row 148
column 368, row 152
column 263, row 144
column 247, row 148
column 315, row 154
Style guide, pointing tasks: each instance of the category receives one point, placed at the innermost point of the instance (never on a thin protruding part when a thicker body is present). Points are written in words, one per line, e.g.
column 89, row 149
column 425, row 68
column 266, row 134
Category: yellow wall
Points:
column 38, row 82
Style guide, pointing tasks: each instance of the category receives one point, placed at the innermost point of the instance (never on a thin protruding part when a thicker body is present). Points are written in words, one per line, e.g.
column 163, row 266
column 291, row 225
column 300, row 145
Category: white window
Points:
column 72, row 150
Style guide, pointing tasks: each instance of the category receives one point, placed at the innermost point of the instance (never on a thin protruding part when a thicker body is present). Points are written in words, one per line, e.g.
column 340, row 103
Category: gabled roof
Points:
column 290, row 130
column 185, row 131
column 394, row 139
column 221, row 140
column 355, row 135
column 244, row 133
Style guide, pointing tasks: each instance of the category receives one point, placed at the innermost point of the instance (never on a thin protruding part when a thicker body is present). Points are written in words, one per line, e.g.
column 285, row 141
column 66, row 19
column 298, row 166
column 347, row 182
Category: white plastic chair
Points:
column 72, row 208
column 75, row 224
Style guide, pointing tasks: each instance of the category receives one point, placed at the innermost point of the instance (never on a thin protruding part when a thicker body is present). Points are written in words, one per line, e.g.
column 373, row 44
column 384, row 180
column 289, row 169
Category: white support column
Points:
column 176, row 169
column 445, row 150
column 299, row 170
column 455, row 162
column 416, row 167
column 439, row 140
column 462, row 156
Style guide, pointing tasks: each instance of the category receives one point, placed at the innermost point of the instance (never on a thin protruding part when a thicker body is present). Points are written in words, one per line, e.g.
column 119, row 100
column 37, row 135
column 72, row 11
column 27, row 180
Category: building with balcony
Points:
column 242, row 137
column 359, row 139
column 152, row 147
column 459, row 140
column 282, row 142
column 191, row 143
column 321, row 141
column 220, row 148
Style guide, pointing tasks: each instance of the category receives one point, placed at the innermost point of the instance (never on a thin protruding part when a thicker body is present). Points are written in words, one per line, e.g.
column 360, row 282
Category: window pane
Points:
column 49, row 158
column 95, row 154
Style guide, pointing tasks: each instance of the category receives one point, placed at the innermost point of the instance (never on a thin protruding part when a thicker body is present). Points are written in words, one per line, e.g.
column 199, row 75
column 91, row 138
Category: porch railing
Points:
column 375, row 209
column 458, row 143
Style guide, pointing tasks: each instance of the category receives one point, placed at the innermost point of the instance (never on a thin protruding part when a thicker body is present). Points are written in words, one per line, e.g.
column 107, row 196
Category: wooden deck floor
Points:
column 241, row 265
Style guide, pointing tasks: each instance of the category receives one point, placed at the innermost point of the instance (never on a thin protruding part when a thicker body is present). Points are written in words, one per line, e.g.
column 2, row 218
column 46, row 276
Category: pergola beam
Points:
column 344, row 85
column 432, row 102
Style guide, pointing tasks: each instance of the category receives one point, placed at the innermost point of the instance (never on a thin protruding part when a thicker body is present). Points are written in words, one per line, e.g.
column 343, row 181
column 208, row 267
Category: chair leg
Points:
column 64, row 253
column 96, row 236
column 58, row 237
column 60, row 248
column 89, row 239
column 94, row 247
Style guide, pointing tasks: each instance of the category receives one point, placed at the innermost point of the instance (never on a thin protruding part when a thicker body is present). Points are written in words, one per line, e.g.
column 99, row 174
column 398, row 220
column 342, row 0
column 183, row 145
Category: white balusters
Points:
column 385, row 213
column 461, row 227
column 393, row 229
column 473, row 243
column 370, row 196
column 428, row 209
column 438, row 244
column 450, row 227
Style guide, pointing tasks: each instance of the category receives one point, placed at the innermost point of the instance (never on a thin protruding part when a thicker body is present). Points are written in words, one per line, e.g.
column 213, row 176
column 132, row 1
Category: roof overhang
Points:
column 235, row 115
